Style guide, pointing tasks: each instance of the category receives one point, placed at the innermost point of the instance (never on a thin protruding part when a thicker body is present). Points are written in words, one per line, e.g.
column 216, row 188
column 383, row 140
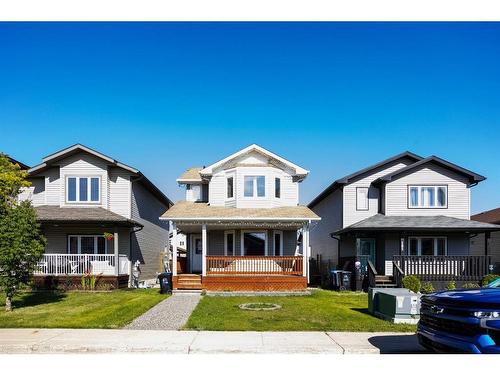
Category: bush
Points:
column 451, row 285
column 488, row 279
column 427, row 288
column 412, row 282
column 470, row 286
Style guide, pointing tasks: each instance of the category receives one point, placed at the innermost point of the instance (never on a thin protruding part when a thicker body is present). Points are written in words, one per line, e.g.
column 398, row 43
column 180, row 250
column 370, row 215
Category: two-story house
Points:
column 99, row 216
column 404, row 215
column 244, row 227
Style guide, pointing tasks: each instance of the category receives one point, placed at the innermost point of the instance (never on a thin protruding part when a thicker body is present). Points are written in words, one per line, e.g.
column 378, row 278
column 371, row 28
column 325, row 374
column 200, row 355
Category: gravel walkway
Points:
column 170, row 314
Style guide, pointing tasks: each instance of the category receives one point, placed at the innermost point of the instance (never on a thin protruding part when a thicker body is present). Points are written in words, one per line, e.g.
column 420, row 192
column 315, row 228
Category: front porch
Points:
column 241, row 256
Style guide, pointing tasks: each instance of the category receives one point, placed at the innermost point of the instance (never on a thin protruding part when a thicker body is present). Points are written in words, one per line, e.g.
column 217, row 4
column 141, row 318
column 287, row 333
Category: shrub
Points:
column 451, row 285
column 427, row 288
column 412, row 282
column 470, row 286
column 489, row 278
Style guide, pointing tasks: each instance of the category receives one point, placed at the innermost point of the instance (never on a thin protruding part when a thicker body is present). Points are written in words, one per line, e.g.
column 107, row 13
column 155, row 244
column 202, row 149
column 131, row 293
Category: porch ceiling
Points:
column 195, row 227
column 438, row 223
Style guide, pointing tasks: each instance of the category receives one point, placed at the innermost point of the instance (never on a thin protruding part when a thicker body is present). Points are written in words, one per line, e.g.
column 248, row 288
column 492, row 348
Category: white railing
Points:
column 79, row 264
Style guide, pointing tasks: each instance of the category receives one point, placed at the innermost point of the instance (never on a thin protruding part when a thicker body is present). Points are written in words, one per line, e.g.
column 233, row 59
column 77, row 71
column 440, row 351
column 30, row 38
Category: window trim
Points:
column 233, row 232
column 255, row 194
column 89, row 189
column 242, row 237
column 367, row 198
column 79, row 243
column 419, row 186
column 419, row 245
column 280, row 233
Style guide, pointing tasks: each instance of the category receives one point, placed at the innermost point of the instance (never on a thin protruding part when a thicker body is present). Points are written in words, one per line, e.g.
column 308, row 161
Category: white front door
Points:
column 196, row 263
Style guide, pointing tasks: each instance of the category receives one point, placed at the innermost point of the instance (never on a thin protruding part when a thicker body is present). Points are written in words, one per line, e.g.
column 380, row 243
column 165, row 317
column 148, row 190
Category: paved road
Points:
column 170, row 314
column 192, row 342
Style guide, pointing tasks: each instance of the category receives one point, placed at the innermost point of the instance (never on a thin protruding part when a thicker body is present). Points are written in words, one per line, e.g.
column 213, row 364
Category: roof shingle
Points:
column 184, row 210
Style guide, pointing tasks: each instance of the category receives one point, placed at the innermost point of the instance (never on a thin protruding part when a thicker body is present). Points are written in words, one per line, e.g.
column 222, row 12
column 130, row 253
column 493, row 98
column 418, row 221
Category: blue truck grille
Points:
column 448, row 325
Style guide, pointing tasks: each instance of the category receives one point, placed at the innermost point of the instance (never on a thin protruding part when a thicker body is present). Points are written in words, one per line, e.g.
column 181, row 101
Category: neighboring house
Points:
column 21, row 165
column 408, row 211
column 242, row 221
column 477, row 242
column 80, row 195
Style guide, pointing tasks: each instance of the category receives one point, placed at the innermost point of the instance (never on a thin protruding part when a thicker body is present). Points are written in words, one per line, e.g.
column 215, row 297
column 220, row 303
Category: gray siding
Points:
column 57, row 238
column 396, row 193
column 148, row 243
column 330, row 211
column 477, row 246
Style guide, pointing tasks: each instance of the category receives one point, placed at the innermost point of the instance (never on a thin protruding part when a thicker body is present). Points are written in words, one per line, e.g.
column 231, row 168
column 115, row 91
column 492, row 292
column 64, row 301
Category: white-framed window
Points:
column 278, row 242
column 229, row 243
column 87, row 244
column 277, row 187
column 83, row 189
column 254, row 242
column 230, row 187
column 362, row 203
column 427, row 196
column 254, row 186
column 427, row 245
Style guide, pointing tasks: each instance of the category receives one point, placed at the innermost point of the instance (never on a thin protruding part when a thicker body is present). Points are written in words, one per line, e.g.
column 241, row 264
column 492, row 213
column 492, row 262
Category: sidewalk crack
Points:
column 336, row 343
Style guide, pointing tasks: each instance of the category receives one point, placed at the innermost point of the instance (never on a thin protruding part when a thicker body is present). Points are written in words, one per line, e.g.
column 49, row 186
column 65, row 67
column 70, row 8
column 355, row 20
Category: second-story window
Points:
column 362, row 203
column 83, row 189
column 255, row 186
column 277, row 187
column 230, row 187
column 427, row 196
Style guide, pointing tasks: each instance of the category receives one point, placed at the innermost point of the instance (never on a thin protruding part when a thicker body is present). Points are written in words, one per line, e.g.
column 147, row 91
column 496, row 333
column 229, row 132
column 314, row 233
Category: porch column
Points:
column 117, row 258
column 305, row 250
column 174, row 249
column 204, row 250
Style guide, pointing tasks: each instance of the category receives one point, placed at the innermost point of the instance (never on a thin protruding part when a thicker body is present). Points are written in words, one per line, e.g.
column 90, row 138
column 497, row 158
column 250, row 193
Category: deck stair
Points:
column 384, row 281
column 189, row 281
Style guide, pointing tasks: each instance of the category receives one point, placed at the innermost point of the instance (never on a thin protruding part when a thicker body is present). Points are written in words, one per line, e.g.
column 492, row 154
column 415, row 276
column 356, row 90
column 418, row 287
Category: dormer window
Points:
column 255, row 186
column 83, row 189
column 427, row 196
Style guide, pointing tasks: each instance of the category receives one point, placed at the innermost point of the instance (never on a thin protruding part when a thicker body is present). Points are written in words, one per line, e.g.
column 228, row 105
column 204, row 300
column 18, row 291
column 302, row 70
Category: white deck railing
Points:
column 79, row 264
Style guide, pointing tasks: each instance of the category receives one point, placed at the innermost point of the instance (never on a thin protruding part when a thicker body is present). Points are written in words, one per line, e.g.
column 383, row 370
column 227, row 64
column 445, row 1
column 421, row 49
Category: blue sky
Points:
column 331, row 97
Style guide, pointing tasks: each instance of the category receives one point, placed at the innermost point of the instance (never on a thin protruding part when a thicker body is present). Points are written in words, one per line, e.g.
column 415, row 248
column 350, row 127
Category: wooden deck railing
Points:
column 444, row 268
column 254, row 265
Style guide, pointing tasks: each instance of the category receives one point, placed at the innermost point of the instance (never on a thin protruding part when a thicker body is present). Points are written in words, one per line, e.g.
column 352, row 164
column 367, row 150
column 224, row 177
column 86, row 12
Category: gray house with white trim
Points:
column 403, row 215
column 99, row 216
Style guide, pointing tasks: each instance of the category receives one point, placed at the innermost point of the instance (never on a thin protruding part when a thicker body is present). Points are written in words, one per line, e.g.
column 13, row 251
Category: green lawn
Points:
column 78, row 309
column 321, row 311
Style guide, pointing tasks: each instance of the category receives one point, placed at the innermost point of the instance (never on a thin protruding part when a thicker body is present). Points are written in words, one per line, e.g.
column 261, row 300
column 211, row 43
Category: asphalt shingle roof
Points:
column 81, row 214
column 191, row 210
column 418, row 223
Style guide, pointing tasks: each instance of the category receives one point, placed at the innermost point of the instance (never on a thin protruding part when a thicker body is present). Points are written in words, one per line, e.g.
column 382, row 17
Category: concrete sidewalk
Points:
column 192, row 342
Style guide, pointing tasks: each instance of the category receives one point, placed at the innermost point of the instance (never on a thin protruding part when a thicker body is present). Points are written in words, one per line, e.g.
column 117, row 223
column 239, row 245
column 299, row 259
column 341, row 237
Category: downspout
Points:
column 338, row 246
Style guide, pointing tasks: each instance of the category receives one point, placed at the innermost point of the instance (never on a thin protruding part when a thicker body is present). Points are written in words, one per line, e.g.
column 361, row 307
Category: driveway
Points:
column 193, row 342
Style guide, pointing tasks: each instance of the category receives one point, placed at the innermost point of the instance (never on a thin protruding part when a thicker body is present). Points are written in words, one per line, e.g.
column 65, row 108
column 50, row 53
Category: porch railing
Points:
column 444, row 268
column 79, row 264
column 255, row 265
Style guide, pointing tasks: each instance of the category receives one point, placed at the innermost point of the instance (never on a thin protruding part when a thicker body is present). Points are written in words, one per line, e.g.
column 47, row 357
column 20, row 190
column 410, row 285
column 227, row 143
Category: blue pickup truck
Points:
column 461, row 321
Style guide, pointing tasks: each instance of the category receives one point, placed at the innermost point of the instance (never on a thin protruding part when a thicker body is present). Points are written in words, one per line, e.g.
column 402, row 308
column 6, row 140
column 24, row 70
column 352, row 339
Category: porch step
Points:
column 384, row 281
column 187, row 281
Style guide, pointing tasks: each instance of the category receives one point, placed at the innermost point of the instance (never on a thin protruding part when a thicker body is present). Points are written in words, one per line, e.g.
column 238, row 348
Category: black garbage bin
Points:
column 165, row 279
column 336, row 279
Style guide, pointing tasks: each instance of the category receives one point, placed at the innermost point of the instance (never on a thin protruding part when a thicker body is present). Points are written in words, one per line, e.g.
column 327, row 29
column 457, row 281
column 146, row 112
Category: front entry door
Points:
column 196, row 253
column 366, row 251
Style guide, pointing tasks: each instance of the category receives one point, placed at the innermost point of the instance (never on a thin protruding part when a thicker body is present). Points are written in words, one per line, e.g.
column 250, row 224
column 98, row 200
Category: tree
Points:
column 21, row 242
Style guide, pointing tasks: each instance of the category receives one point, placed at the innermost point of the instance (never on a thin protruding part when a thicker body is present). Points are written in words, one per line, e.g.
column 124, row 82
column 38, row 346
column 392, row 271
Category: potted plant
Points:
column 108, row 236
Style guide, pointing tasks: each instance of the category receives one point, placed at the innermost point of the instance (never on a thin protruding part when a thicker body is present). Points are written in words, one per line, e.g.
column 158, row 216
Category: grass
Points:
column 78, row 309
column 321, row 311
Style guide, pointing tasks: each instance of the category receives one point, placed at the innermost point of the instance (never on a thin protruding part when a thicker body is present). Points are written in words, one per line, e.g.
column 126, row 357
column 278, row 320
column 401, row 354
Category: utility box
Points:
column 397, row 305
